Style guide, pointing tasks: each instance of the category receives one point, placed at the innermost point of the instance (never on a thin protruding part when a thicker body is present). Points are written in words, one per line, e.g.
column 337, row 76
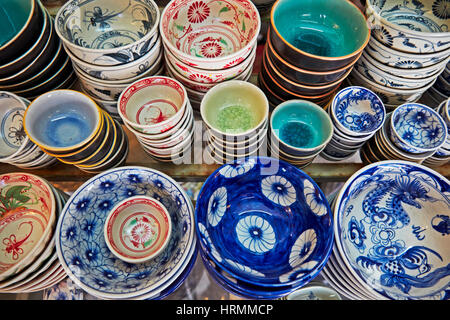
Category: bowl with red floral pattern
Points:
column 211, row 35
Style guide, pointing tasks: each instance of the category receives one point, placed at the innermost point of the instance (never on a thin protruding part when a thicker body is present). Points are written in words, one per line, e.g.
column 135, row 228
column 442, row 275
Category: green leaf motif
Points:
column 181, row 28
column 224, row 42
column 16, row 194
column 243, row 26
column 224, row 9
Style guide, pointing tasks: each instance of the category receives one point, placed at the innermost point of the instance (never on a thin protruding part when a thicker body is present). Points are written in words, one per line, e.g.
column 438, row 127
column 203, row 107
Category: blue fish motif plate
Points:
column 391, row 226
column 265, row 222
column 82, row 249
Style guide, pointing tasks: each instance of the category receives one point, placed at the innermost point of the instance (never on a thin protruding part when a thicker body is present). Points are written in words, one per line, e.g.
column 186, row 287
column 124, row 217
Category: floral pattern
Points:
column 245, row 269
column 237, row 169
column 217, row 206
column 198, row 12
column 279, row 190
column 314, row 199
column 256, row 234
column 211, row 50
column 441, row 9
column 303, row 248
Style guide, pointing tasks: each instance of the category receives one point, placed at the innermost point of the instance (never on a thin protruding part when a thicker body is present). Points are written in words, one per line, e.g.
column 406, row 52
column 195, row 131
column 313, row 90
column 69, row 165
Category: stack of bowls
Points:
column 157, row 111
column 440, row 91
column 264, row 227
column 310, row 60
column 15, row 146
column 442, row 155
column 300, row 130
column 357, row 114
column 236, row 117
column 30, row 209
column 81, row 236
column 408, row 50
column 201, row 59
column 390, row 234
column 412, row 132
column 111, row 44
column 32, row 60
column 71, row 127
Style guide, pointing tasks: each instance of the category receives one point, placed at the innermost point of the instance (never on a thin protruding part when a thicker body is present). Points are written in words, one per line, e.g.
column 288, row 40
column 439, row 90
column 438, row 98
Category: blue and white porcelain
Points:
column 419, row 26
column 82, row 249
column 265, row 222
column 388, row 229
column 442, row 85
column 108, row 33
column 416, row 128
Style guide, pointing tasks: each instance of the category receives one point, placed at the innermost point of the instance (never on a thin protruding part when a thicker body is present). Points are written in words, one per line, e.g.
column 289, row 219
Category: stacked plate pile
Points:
column 81, row 235
column 252, row 248
column 300, row 130
column 32, row 60
column 235, row 114
column 412, row 132
column 408, row 50
column 357, row 114
column 440, row 91
column 15, row 146
column 199, row 59
column 30, row 209
column 366, row 265
column 71, row 127
column 311, row 60
column 442, row 155
column 158, row 112
column 111, row 44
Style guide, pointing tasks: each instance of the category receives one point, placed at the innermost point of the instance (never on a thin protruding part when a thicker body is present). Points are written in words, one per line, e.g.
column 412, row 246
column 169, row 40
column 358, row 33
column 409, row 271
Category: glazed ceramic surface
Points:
column 108, row 33
column 420, row 26
column 13, row 16
column 210, row 34
column 388, row 229
column 264, row 221
column 314, row 292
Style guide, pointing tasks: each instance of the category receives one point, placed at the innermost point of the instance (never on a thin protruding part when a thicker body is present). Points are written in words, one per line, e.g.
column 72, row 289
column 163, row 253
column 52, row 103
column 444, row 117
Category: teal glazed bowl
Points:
column 300, row 127
column 318, row 35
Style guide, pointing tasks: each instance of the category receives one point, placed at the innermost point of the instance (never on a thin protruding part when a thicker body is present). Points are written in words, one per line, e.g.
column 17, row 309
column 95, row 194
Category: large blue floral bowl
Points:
column 81, row 245
column 391, row 224
column 265, row 222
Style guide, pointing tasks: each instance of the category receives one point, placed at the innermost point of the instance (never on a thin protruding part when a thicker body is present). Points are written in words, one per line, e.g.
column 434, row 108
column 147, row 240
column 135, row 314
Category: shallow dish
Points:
column 314, row 292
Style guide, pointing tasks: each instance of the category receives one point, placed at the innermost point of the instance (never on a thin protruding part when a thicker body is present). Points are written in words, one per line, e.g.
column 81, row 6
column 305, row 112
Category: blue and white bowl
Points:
column 390, row 228
column 416, row 128
column 82, row 249
column 265, row 222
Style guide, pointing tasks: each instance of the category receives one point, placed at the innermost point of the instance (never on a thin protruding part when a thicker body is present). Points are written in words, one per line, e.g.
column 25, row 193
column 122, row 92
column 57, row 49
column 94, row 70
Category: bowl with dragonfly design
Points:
column 108, row 33
column 265, row 222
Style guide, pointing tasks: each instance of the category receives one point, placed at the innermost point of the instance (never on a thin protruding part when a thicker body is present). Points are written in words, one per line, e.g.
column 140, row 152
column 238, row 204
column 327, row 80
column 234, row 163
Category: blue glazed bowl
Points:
column 300, row 127
column 80, row 241
column 358, row 111
column 391, row 224
column 416, row 128
column 264, row 221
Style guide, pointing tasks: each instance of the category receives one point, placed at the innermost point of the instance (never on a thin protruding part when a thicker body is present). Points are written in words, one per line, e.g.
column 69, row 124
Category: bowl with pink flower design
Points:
column 137, row 229
column 210, row 34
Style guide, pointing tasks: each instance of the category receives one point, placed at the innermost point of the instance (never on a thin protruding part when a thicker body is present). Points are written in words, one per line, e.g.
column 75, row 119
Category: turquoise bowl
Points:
column 318, row 35
column 13, row 17
column 301, row 128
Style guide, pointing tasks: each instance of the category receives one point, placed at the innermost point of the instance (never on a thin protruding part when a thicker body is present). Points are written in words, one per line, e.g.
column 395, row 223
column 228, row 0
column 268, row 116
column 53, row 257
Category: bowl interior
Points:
column 321, row 27
column 13, row 16
column 104, row 24
column 62, row 118
column 210, row 29
column 301, row 124
column 12, row 134
column 234, row 107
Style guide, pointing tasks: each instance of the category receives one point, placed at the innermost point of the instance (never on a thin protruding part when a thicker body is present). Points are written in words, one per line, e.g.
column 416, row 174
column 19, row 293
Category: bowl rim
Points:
column 223, row 86
column 108, row 224
column 312, row 104
column 70, row 148
column 295, row 49
column 201, row 60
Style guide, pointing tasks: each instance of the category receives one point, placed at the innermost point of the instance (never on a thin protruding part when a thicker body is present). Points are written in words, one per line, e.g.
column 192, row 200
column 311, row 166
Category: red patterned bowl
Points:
column 213, row 34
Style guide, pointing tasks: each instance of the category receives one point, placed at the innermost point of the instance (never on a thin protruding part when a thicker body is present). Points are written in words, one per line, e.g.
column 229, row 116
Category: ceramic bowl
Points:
column 442, row 85
column 300, row 127
column 417, row 128
column 233, row 28
column 315, row 291
column 418, row 26
column 28, row 218
column 153, row 105
column 137, row 229
column 62, row 120
column 21, row 21
column 237, row 142
column 356, row 211
column 234, row 108
column 113, row 278
column 328, row 35
column 104, row 33
column 243, row 236
column 357, row 111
